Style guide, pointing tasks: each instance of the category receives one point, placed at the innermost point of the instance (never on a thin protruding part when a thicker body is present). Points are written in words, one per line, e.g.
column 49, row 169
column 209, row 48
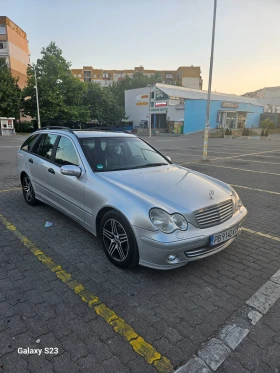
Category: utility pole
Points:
column 37, row 99
column 207, row 124
column 150, row 111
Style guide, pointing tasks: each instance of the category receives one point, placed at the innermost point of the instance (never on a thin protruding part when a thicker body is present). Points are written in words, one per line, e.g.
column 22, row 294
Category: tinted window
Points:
column 45, row 146
column 66, row 153
column 120, row 153
column 29, row 142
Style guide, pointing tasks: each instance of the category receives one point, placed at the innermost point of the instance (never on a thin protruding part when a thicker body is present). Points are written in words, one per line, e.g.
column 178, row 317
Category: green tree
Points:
column 10, row 93
column 61, row 96
column 102, row 105
column 267, row 124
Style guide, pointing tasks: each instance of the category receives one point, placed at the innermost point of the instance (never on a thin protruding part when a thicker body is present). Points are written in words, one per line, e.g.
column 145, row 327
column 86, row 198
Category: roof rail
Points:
column 56, row 128
column 102, row 129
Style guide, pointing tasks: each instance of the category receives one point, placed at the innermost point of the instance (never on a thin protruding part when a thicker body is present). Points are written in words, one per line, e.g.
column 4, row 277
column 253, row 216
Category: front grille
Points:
column 214, row 215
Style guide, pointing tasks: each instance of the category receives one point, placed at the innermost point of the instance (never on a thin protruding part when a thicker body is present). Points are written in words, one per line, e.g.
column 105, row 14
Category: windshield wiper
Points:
column 134, row 167
column 150, row 165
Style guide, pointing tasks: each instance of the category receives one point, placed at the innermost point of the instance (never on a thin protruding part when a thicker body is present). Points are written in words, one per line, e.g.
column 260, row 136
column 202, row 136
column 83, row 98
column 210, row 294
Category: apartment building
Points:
column 185, row 76
column 14, row 49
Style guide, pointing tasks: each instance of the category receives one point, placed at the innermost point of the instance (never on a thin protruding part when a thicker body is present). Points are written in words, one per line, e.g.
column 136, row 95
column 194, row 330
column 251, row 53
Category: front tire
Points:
column 28, row 191
column 118, row 240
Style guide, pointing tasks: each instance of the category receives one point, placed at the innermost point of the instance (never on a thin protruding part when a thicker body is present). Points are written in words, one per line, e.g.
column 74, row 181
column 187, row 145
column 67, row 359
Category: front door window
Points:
column 231, row 120
column 241, row 120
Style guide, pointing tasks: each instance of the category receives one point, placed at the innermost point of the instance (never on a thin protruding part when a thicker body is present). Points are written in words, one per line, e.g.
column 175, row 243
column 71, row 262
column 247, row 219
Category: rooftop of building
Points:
column 7, row 21
column 198, row 94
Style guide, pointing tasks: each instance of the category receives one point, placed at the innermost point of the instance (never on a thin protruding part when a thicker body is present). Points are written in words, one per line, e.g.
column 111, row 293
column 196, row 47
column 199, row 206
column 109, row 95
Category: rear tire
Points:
column 118, row 240
column 28, row 191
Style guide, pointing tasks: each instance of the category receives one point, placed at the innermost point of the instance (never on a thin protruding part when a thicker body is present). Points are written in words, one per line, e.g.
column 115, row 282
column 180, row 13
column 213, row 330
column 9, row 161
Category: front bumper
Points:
column 155, row 247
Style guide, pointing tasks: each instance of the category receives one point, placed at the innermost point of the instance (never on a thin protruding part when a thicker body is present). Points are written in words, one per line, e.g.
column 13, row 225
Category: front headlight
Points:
column 167, row 223
column 236, row 199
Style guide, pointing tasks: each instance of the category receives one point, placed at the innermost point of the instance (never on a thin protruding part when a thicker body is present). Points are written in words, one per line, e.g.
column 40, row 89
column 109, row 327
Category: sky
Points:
column 161, row 35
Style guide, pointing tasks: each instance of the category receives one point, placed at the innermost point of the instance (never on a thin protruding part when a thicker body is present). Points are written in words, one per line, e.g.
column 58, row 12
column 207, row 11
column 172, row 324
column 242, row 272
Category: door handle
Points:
column 30, row 160
column 51, row 171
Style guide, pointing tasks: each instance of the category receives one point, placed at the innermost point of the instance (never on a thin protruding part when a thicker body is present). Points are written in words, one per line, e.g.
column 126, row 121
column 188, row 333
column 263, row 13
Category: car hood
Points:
column 174, row 188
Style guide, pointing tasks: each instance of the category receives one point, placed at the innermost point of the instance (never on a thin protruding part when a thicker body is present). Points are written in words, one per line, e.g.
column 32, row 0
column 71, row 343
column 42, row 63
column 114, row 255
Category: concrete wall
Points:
column 193, row 83
column 195, row 114
column 136, row 112
column 174, row 114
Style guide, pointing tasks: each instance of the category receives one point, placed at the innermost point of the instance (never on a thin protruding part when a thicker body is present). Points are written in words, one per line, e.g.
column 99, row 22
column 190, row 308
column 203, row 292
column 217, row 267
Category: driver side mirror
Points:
column 71, row 170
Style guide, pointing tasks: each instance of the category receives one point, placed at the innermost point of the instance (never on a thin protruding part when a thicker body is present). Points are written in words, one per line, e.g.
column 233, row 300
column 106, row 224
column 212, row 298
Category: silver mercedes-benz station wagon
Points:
column 145, row 209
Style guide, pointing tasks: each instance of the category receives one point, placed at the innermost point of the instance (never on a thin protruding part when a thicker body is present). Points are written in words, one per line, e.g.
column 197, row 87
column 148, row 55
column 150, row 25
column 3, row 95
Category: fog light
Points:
column 172, row 257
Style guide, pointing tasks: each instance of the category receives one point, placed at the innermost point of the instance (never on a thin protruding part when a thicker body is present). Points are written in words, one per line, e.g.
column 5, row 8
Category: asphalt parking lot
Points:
column 93, row 317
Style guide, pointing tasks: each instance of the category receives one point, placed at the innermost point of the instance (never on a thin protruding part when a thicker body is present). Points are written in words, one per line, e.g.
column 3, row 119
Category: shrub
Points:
column 227, row 132
column 245, row 132
column 262, row 133
column 267, row 124
column 24, row 127
column 266, row 133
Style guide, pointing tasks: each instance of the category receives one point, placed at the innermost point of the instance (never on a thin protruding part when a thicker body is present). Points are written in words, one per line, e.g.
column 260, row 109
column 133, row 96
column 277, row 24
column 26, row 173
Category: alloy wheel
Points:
column 115, row 240
column 28, row 189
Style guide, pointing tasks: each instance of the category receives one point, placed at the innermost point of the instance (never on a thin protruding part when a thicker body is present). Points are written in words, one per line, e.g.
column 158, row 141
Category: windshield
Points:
column 120, row 153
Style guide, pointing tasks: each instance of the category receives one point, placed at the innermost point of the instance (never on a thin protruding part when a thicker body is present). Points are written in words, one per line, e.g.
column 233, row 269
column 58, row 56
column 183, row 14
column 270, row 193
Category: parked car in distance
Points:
column 145, row 209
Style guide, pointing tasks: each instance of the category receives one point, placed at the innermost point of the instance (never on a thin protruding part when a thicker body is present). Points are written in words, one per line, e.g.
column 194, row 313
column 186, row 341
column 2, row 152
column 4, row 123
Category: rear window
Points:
column 26, row 146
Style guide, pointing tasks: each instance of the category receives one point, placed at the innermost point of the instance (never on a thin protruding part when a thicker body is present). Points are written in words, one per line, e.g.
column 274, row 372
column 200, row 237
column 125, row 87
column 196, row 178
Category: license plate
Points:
column 223, row 236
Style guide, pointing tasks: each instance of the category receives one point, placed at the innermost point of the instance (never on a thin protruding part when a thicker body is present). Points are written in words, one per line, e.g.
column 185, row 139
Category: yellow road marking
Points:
column 258, row 190
column 9, row 190
column 139, row 345
column 240, row 169
column 261, row 234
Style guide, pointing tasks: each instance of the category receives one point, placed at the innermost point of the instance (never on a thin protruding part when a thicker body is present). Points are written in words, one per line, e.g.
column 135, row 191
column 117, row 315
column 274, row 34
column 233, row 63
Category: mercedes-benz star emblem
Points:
column 211, row 194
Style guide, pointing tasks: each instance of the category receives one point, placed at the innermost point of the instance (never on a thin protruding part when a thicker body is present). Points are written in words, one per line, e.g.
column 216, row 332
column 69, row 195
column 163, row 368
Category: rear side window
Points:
column 66, row 153
column 26, row 146
column 45, row 146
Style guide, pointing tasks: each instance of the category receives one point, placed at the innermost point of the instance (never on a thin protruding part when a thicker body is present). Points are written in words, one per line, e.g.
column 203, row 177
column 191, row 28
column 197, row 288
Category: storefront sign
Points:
column 180, row 107
column 232, row 105
column 142, row 103
column 159, row 104
column 142, row 97
column 163, row 109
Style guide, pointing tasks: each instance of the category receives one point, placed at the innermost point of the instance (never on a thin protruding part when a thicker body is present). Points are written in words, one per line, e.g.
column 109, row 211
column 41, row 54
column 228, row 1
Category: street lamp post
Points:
column 37, row 99
column 207, row 125
column 150, row 110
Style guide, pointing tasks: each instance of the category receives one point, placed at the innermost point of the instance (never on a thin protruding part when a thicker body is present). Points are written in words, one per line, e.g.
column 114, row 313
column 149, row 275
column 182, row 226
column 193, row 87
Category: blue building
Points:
column 224, row 113
column 169, row 108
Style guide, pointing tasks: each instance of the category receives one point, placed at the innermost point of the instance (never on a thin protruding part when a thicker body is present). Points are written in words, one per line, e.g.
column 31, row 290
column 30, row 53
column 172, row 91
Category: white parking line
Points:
column 240, row 169
column 215, row 351
column 256, row 189
column 250, row 160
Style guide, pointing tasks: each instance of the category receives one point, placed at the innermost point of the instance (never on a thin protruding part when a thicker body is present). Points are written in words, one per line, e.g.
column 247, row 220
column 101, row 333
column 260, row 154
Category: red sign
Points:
column 158, row 104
